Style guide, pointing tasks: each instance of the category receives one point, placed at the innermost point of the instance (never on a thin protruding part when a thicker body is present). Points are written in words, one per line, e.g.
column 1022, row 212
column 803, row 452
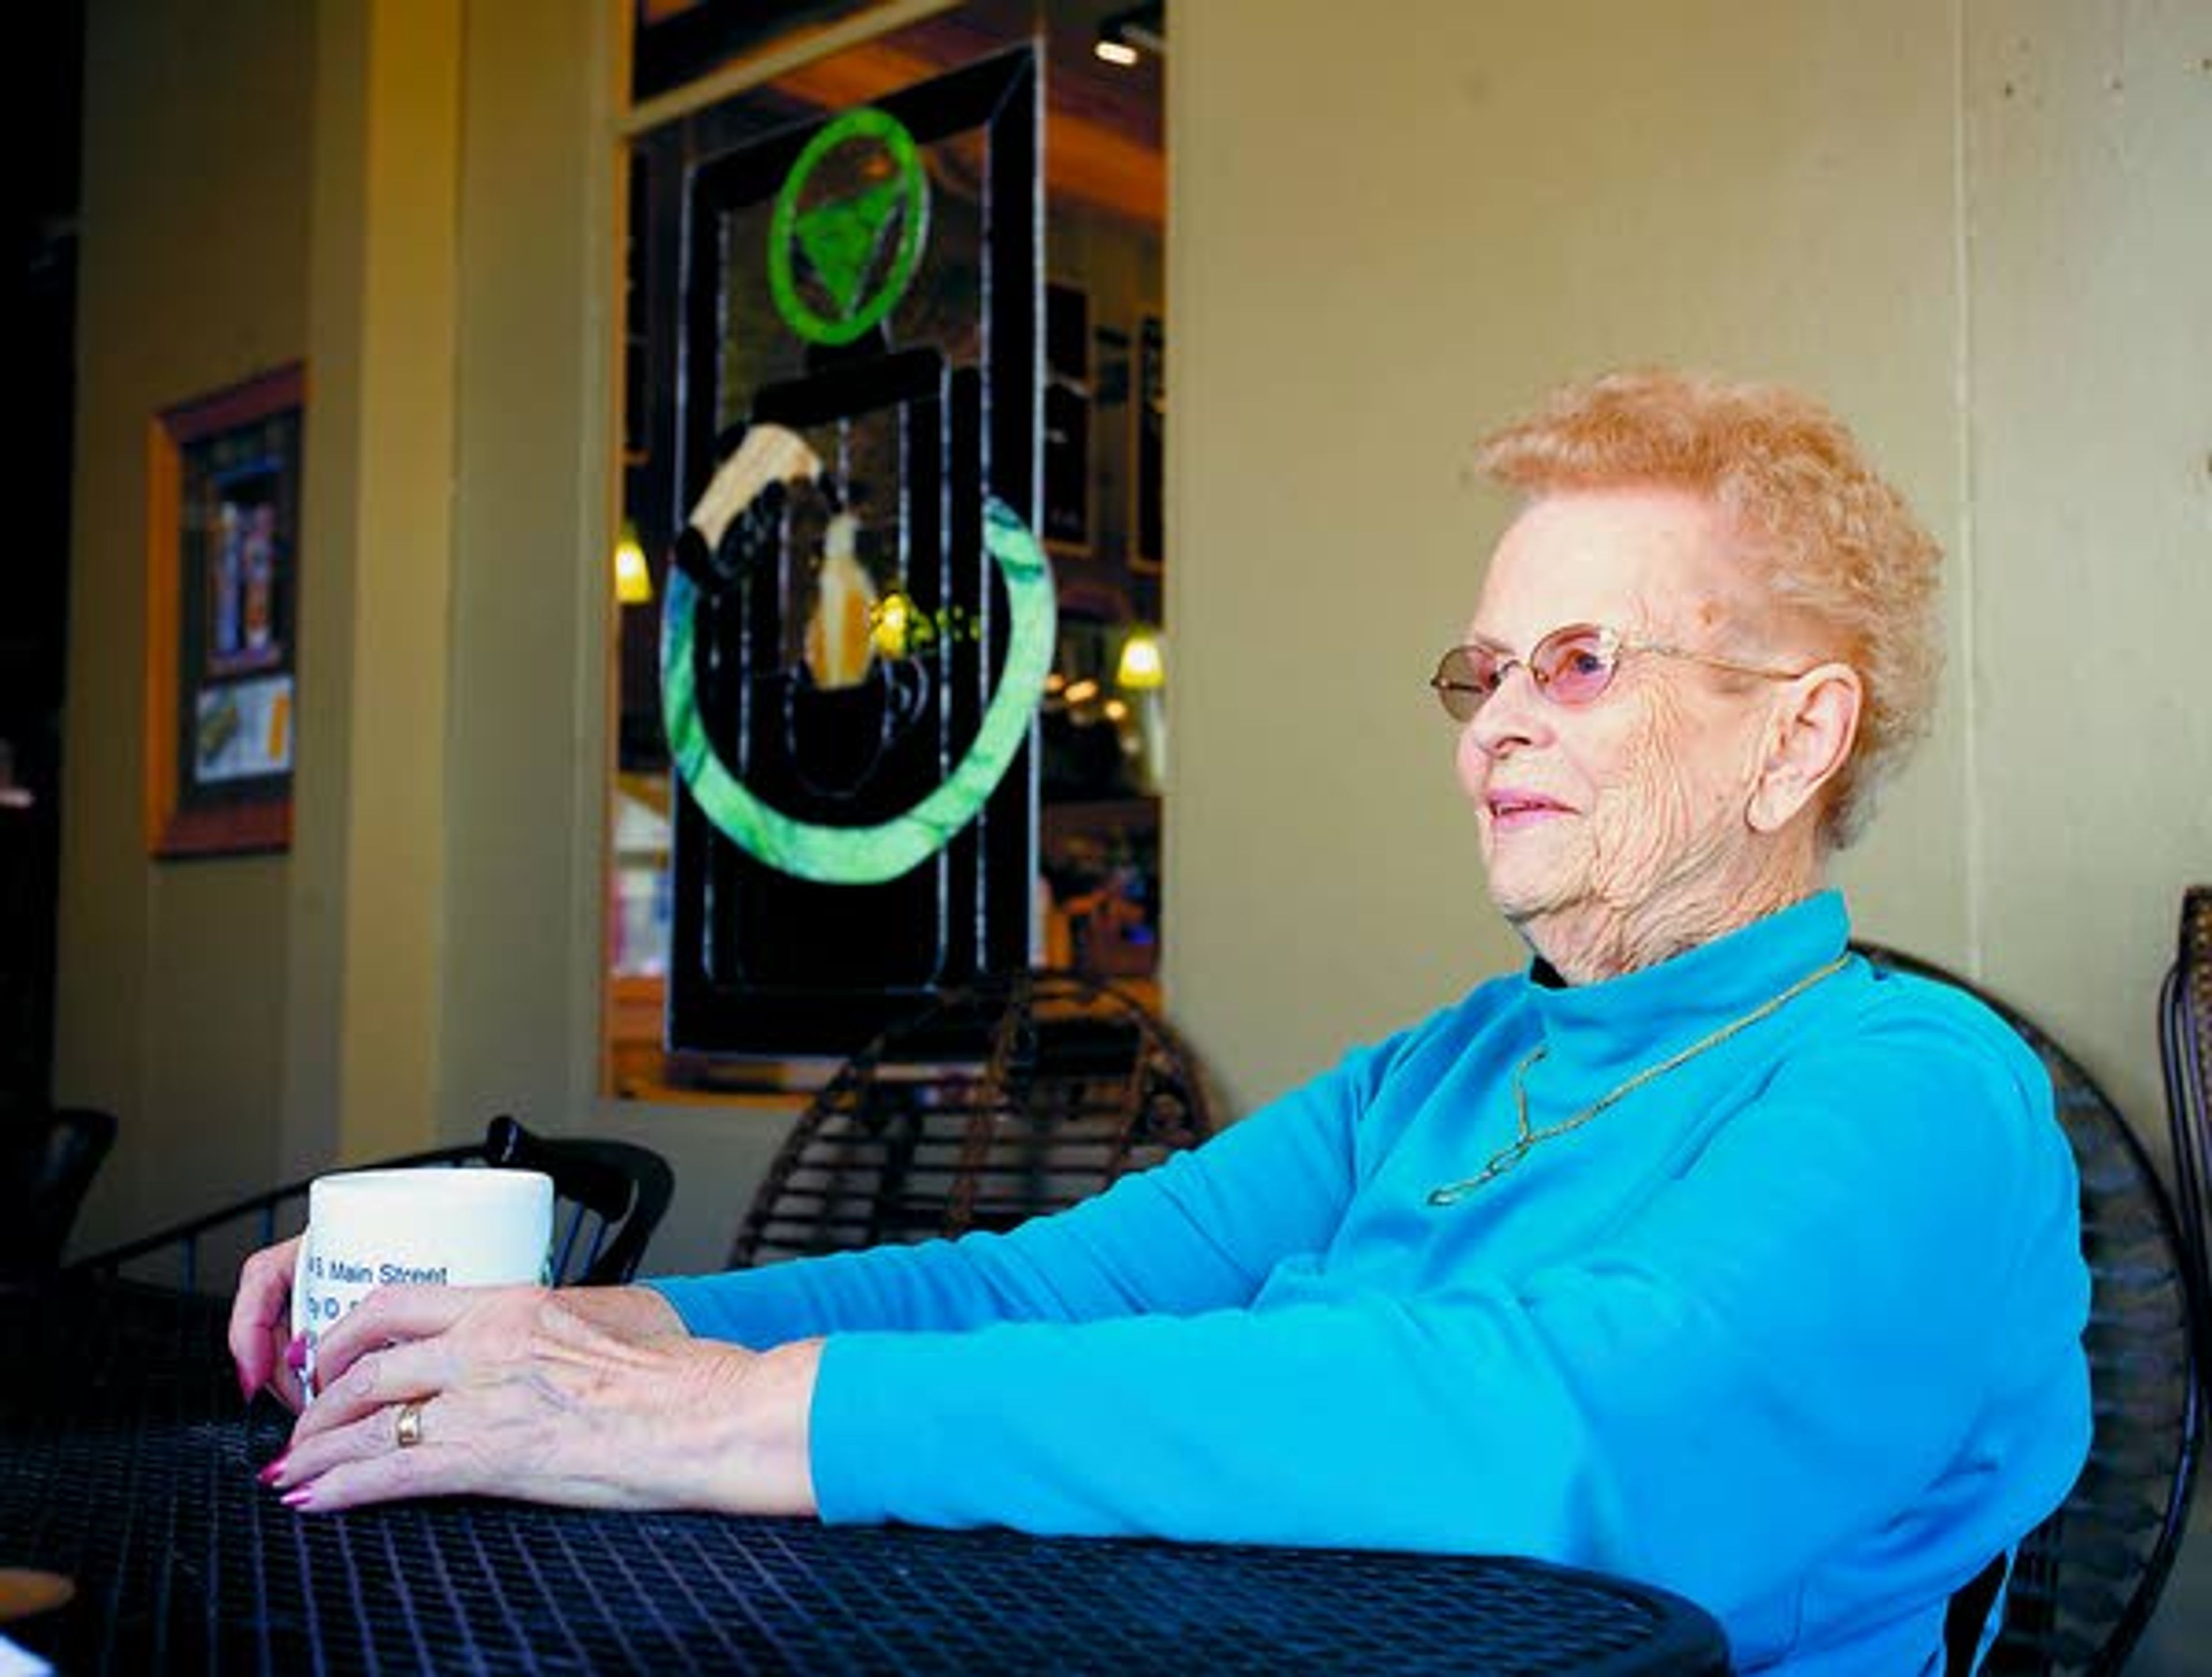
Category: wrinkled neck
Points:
column 1594, row 939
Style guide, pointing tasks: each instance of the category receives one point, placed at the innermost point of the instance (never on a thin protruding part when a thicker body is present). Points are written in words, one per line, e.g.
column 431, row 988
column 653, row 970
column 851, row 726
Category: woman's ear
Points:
column 1815, row 720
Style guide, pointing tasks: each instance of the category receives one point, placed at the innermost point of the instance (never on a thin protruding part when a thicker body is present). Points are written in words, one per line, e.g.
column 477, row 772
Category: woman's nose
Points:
column 1514, row 714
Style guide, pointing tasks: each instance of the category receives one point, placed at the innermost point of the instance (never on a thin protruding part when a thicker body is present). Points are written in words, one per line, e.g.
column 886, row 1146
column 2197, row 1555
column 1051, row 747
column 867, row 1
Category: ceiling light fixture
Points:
column 1129, row 33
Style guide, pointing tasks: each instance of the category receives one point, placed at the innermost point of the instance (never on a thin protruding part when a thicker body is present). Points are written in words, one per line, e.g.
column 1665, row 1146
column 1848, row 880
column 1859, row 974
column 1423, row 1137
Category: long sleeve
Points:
column 1194, row 1234
column 1875, row 1261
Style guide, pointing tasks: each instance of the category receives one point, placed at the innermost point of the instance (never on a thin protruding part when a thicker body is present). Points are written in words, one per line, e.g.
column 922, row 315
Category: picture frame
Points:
column 1148, row 448
column 222, row 581
column 1066, row 433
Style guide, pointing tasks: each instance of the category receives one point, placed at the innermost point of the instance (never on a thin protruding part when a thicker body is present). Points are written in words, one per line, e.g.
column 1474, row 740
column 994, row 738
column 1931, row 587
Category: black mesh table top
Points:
column 127, row 1464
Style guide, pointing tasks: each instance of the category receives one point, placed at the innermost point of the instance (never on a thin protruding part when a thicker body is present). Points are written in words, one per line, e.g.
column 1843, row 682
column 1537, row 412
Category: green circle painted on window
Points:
column 842, row 238
column 870, row 855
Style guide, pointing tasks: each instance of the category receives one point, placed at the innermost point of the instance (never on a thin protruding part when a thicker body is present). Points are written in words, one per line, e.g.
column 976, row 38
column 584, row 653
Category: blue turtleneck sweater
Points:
column 1792, row 1329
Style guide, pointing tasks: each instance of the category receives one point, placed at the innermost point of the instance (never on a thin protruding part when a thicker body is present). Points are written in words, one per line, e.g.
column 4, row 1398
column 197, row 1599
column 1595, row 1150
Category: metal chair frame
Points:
column 61, row 1149
column 995, row 1102
column 2184, row 1042
column 2085, row 1582
column 609, row 1198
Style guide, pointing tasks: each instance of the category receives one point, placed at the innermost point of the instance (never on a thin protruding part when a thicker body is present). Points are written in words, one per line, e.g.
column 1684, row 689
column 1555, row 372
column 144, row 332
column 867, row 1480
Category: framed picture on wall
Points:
column 222, row 582
column 1068, row 419
column 1147, row 537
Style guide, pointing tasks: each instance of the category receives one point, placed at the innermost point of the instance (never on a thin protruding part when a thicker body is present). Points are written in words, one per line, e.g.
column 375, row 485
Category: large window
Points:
column 846, row 259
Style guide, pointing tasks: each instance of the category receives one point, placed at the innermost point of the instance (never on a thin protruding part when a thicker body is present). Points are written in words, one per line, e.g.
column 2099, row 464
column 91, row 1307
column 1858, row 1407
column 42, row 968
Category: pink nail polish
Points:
column 274, row 1471
column 295, row 1354
column 300, row 1497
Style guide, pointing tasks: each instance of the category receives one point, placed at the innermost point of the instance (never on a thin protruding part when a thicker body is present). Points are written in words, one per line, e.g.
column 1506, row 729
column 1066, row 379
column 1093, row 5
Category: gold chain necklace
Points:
column 1518, row 1149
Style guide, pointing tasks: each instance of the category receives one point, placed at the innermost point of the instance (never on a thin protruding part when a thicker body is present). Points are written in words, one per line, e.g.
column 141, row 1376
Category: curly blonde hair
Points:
column 1836, row 546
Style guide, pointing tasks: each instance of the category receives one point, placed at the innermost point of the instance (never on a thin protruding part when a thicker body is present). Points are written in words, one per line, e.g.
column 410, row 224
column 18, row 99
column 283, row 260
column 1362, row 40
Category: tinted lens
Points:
column 1573, row 665
column 1464, row 676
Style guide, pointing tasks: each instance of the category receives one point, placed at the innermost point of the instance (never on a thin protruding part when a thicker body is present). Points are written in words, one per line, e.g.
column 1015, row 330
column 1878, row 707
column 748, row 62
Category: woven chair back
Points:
column 990, row 1105
column 2085, row 1581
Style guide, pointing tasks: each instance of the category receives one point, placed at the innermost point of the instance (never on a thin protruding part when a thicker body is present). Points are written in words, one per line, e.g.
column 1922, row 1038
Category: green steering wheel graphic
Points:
column 870, row 855
column 839, row 237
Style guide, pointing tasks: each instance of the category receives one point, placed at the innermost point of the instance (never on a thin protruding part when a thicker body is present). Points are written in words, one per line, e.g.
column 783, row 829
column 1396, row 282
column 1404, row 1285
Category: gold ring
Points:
column 407, row 1424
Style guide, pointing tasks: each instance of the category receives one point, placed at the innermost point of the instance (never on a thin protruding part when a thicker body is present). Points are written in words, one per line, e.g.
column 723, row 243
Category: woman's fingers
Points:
column 507, row 1440
column 409, row 1342
column 518, row 1433
column 393, row 1313
column 260, row 1322
column 375, row 1380
column 364, row 1438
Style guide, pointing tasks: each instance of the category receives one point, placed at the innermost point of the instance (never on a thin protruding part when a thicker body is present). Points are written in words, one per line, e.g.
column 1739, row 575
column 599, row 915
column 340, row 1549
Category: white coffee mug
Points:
column 434, row 1226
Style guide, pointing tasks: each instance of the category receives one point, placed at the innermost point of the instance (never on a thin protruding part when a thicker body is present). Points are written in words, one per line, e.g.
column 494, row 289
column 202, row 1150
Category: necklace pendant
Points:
column 1452, row 1192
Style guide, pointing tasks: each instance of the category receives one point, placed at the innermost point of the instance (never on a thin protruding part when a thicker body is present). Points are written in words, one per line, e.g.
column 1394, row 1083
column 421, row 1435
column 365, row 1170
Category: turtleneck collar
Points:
column 1622, row 1022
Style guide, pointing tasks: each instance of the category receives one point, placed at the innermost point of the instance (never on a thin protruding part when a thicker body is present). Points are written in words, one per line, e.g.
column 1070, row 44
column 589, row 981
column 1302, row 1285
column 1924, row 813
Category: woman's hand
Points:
column 266, row 1351
column 261, row 1325
column 593, row 1398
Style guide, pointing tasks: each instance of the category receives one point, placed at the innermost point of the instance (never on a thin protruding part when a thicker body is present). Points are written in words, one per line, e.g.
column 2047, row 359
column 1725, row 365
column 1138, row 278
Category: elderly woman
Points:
column 1699, row 1251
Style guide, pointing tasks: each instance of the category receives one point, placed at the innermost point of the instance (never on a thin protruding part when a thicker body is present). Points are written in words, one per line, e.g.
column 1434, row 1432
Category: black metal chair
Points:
column 48, row 1158
column 2084, row 1582
column 608, row 1197
column 2185, row 1041
column 994, row 1103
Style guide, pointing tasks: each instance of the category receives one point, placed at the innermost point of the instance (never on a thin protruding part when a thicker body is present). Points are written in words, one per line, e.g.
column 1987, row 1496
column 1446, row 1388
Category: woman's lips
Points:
column 1510, row 810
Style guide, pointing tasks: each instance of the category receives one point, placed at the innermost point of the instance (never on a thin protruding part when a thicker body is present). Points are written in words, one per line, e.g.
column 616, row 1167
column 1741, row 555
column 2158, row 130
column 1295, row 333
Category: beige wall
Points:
column 192, row 275
column 1383, row 241
column 266, row 182
column 2088, row 365
column 1970, row 226
column 368, row 864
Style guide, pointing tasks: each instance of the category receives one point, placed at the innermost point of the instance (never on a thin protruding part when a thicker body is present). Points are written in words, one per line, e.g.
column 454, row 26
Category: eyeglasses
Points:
column 1572, row 665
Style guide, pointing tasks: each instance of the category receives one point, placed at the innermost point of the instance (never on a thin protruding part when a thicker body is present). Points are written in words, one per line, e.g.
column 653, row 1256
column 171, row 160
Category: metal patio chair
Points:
column 2185, row 1041
column 49, row 1157
column 2084, row 1582
column 994, row 1103
column 609, row 1196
